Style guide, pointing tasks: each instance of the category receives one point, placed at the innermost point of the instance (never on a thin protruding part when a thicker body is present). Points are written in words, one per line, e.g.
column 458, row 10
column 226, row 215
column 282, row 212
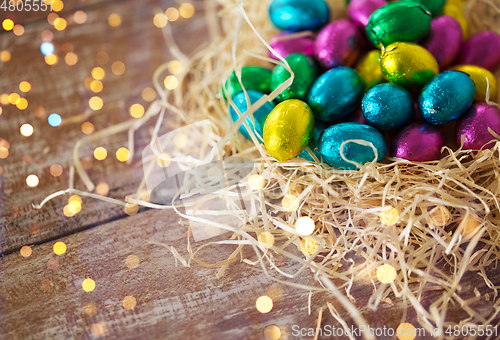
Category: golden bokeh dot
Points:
column 96, row 86
column 114, row 20
column 186, row 10
column 18, row 30
column 163, row 160
column 88, row 285
column 74, row 198
column 60, row 24
column 46, row 285
column 102, row 57
column 129, row 302
column 59, row 248
column 256, row 182
column 144, row 195
column 80, row 17
column 440, row 216
column 75, row 206
column 266, row 239
column 406, row 331
column 26, row 251
column 180, row 140
column 52, row 17
column 8, row 24
column 305, row 226
column 87, row 81
column 56, row 170
column 160, row 20
column 87, row 128
column 100, row 153
column 471, row 225
column 175, row 66
column 118, row 68
column 87, row 162
column 102, row 188
column 67, row 47
column 27, row 159
column 122, row 154
column 22, row 103
column 96, row 103
column 272, row 332
column 132, row 261
column 51, row 59
column 4, row 99
column 1, row 111
column 4, row 152
column 98, row 73
column 148, row 94
column 89, row 308
column 171, row 82
column 39, row 111
column 99, row 329
column 47, row 35
column 389, row 215
column 26, row 130
column 264, row 304
column 137, row 110
column 69, row 211
column 24, row 86
column 5, row 56
column 53, row 263
column 172, row 14
column 71, row 59
column 57, row 5
column 290, row 202
column 32, row 181
column 386, row 273
column 14, row 98
column 308, row 245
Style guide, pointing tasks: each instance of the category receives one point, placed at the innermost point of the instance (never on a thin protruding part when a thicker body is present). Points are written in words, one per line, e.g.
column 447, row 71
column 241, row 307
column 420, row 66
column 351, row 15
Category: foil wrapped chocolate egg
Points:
column 408, row 64
column 240, row 101
column 446, row 97
column 299, row 15
column 253, row 78
column 474, row 124
column 369, row 69
column 360, row 10
column 418, row 142
column 398, row 21
column 285, row 44
column 305, row 72
column 335, row 94
column 444, row 40
column 483, row 50
column 387, row 106
column 478, row 76
column 340, row 139
column 454, row 10
column 338, row 43
column 319, row 127
column 288, row 129
column 433, row 6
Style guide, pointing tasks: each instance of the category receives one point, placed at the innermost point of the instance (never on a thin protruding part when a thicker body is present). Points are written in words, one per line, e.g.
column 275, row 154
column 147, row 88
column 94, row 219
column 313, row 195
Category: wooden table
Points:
column 41, row 295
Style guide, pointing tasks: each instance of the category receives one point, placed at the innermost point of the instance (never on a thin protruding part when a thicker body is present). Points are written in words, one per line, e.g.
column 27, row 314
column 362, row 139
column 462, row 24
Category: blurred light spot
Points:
column 22, row 104
column 26, row 130
column 148, row 94
column 102, row 189
column 264, row 304
column 132, row 261
column 75, row 207
column 290, row 203
column 163, row 160
column 46, row 285
column 47, row 36
column 1, row 111
column 180, row 140
column 53, row 263
column 27, row 159
column 69, row 211
column 74, row 198
column 56, row 170
column 275, row 292
column 175, row 66
column 406, row 331
column 47, row 47
column 1, row 170
column 18, row 30
column 26, row 251
column 389, row 215
column 87, row 128
column 305, row 226
column 96, row 86
column 60, row 24
column 80, row 17
column 4, row 99
column 131, row 209
column 386, row 273
column 24, row 86
column 470, row 226
column 308, row 245
column 144, row 195
column 54, row 119
column 96, row 103
column 137, row 110
column 59, row 248
column 99, row 329
column 89, row 308
column 266, row 239
column 172, row 14
column 57, row 5
column 51, row 59
column 256, row 182
column 71, row 59
column 215, row 173
column 5, row 56
column 114, row 20
column 87, row 81
column 160, row 20
column 118, row 68
column 52, row 17
column 272, row 333
column 86, row 162
column 88, row 285
column 186, row 10
column 4, row 152
column 171, row 82
column 98, row 73
column 122, row 154
column 67, row 47
column 129, row 302
column 440, row 216
column 8, row 24
column 32, row 181
column 100, row 153
column 102, row 57
column 39, row 111
column 13, row 98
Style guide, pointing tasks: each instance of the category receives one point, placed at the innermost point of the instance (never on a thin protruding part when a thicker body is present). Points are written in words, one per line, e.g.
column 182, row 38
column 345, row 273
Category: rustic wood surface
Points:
column 41, row 296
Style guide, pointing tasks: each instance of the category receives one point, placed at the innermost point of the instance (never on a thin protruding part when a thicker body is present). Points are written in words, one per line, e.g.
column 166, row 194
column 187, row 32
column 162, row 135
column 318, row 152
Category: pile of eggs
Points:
column 402, row 72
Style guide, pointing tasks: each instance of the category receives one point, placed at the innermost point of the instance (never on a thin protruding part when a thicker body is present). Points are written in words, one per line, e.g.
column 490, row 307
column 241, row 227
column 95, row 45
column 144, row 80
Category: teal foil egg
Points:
column 331, row 140
column 299, row 15
column 446, row 97
column 319, row 127
column 335, row 94
column 259, row 116
column 387, row 106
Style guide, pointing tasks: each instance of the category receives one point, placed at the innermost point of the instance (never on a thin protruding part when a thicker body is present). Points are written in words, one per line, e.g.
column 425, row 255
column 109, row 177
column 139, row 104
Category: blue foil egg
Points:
column 335, row 94
column 331, row 140
column 446, row 97
column 387, row 106
column 319, row 127
column 299, row 15
column 260, row 115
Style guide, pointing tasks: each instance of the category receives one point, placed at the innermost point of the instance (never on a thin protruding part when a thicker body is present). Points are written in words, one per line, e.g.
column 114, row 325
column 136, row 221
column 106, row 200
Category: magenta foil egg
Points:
column 444, row 40
column 483, row 50
column 360, row 10
column 418, row 142
column 474, row 126
column 284, row 46
column 338, row 43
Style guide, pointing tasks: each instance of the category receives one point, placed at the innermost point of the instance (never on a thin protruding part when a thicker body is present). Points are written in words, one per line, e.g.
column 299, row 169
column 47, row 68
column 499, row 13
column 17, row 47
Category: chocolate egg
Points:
column 483, row 50
column 453, row 10
column 253, row 78
column 478, row 76
column 360, row 10
column 335, row 94
column 288, row 129
column 387, row 106
column 332, row 139
column 369, row 69
column 418, row 142
column 305, row 72
column 338, row 43
column 260, row 115
column 444, row 40
column 299, row 15
column 474, row 126
column 446, row 97
column 285, row 44
column 408, row 64
column 433, row 6
column 398, row 21
column 319, row 127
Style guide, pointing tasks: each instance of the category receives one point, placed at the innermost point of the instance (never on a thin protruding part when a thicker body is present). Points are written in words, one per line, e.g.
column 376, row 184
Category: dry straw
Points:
column 432, row 222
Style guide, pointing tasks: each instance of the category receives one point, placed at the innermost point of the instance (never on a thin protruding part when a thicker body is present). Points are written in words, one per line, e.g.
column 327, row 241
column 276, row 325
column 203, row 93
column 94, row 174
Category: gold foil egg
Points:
column 478, row 76
column 288, row 129
column 408, row 64
column 369, row 70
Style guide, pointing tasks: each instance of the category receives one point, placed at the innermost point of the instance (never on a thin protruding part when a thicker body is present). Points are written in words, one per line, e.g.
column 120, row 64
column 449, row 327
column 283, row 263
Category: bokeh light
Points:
column 4, row 99
column 114, row 20
column 67, row 47
column 118, row 68
column 386, row 273
column 389, row 215
column 32, row 181
column 98, row 73
column 27, row 159
column 8, row 24
column 132, row 261
column 100, row 153
column 56, row 170
column 89, row 308
column 54, row 119
column 290, row 202
column 87, row 128
column 59, row 248
column 131, row 209
column 180, row 140
column 172, row 14
column 4, row 152
column 26, row 130
column 471, row 225
column 175, row 66
column 53, row 263
column 57, row 5
column 52, row 17
column 99, row 329
column 272, row 332
column 88, row 285
column 51, row 59
column 18, row 30
column 5, row 56
column 148, row 94
column 122, row 154
column 96, row 103
column 87, row 162
column 137, row 110
column 305, row 226
column 60, row 24
column 102, row 188
column 440, row 216
column 264, row 304
column 46, row 285
column 129, row 302
column 80, row 17
column 163, row 160
column 26, row 251
column 308, row 245
column 256, row 182
column 69, row 211
column 186, row 10
column 47, row 47
column 171, row 82
column 96, row 86
column 71, row 59
column 266, row 239
column 22, row 104
column 24, row 86
column 47, row 36
column 13, row 98
column 406, row 331
column 102, row 57
column 39, row 111
column 160, row 20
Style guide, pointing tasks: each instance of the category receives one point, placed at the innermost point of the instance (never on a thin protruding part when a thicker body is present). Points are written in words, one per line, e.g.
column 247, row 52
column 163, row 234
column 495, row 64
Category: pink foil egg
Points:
column 360, row 10
column 483, row 50
column 444, row 40
column 474, row 126
column 418, row 142
column 285, row 46
column 338, row 43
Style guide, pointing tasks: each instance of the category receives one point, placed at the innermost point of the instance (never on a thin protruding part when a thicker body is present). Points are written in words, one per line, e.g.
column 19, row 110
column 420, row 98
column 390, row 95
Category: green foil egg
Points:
column 305, row 71
column 433, row 6
column 369, row 69
column 253, row 78
column 398, row 21
column 288, row 129
column 408, row 64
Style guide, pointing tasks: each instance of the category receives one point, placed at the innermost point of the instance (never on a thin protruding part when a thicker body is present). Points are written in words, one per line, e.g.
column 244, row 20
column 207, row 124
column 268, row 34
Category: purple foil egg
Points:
column 418, row 142
column 444, row 40
column 285, row 47
column 338, row 43
column 356, row 116
column 474, row 125
column 483, row 50
column 360, row 10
